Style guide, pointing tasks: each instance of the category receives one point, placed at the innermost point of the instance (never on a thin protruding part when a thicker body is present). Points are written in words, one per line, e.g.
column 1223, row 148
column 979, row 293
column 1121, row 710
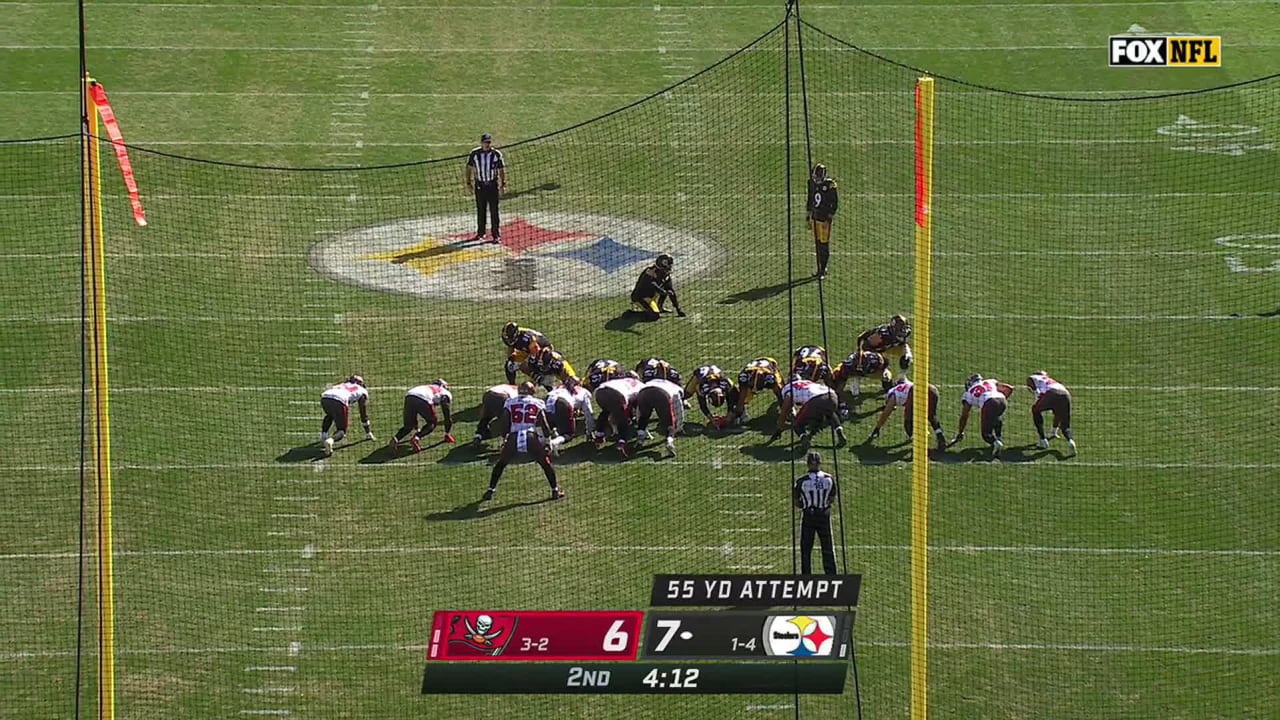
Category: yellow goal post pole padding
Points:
column 922, row 436
column 95, row 295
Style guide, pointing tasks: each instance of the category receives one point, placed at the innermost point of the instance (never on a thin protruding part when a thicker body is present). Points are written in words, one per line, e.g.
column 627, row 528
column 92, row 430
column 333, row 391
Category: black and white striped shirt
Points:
column 487, row 163
column 813, row 491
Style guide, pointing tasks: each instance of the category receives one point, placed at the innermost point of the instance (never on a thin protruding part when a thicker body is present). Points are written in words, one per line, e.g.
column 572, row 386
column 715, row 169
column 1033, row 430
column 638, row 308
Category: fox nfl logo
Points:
column 1165, row 51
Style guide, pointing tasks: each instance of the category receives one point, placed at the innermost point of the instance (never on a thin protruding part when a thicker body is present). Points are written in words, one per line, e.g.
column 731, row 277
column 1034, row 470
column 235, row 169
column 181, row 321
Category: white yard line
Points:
column 930, row 8
column 482, row 51
column 480, row 319
column 1073, row 463
column 1003, row 196
column 1144, row 552
column 293, row 255
column 572, row 92
column 21, row 655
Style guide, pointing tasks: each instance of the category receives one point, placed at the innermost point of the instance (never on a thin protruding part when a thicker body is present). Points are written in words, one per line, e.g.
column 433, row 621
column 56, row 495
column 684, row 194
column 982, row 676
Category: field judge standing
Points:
column 486, row 176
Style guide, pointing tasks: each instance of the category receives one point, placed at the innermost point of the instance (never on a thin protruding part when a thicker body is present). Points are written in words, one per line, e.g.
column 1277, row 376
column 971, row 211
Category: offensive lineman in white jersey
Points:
column 990, row 396
column 814, row 406
column 495, row 398
column 563, row 405
column 902, row 395
column 527, row 417
column 1053, row 396
column 666, row 399
column 421, row 401
column 336, row 403
column 616, row 399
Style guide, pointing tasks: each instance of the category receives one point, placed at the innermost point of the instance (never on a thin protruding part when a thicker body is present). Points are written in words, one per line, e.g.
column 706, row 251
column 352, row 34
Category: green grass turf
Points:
column 1133, row 581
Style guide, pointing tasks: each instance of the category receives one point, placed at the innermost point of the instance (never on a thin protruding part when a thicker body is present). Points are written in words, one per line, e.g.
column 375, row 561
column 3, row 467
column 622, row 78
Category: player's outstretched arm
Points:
column 960, row 426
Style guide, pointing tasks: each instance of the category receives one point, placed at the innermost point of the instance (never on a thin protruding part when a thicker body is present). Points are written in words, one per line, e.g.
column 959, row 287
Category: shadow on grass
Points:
column 383, row 453
column 476, row 510
column 770, row 452
column 626, row 322
column 764, row 292
column 469, row 415
column 882, row 454
column 313, row 452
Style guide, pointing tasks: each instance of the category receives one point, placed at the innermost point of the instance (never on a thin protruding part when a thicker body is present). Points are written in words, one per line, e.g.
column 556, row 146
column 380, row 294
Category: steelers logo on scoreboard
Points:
column 800, row 635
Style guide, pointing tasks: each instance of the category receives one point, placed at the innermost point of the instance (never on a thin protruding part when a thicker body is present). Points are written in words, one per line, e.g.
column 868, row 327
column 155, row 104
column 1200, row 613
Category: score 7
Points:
column 671, row 626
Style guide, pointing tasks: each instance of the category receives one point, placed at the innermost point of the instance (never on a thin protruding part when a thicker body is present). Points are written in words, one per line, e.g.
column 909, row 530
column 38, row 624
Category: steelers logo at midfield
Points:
column 549, row 255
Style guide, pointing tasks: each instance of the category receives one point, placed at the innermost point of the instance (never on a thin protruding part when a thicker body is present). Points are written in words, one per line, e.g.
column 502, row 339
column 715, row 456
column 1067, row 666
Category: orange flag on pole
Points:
column 108, row 116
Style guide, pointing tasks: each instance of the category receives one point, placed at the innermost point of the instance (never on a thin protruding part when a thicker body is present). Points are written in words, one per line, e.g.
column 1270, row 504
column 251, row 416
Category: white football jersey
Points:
column 980, row 393
column 433, row 394
column 579, row 399
column 802, row 391
column 346, row 393
column 508, row 391
column 1044, row 383
column 673, row 391
column 525, row 411
column 629, row 387
column 899, row 393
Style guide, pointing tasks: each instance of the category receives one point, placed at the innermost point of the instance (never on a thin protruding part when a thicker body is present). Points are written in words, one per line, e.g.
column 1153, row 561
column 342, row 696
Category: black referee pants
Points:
column 816, row 522
column 487, row 199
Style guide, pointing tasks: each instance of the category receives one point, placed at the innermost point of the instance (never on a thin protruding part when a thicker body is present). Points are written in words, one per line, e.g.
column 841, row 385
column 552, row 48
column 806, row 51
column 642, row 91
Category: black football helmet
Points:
column 899, row 326
column 509, row 332
column 664, row 263
column 819, row 172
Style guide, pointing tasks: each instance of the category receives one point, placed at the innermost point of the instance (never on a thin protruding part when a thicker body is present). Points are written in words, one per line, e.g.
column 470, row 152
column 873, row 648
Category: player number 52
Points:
column 616, row 639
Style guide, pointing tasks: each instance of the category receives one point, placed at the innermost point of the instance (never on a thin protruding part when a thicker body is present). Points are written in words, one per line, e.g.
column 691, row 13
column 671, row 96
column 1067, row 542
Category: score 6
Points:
column 616, row 639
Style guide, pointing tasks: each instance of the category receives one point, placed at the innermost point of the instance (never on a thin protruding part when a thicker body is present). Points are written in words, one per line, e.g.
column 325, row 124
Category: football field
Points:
column 1129, row 247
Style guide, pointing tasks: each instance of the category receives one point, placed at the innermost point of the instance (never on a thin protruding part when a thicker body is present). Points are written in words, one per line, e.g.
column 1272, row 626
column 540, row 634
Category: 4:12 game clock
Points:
column 673, row 677
column 759, row 678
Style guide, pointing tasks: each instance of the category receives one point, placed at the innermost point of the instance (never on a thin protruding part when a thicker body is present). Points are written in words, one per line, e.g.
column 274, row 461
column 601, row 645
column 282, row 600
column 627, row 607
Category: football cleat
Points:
column 995, row 448
column 840, row 438
column 744, row 417
column 622, row 447
column 416, row 444
column 324, row 436
column 328, row 447
column 338, row 436
column 642, row 435
column 1043, row 444
column 1053, row 434
column 393, row 444
column 556, row 493
column 671, row 446
column 942, row 441
column 488, row 495
column 1071, row 445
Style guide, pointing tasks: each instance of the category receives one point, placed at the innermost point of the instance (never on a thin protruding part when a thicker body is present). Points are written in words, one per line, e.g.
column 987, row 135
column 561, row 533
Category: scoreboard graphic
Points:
column 746, row 635
column 534, row 635
column 679, row 651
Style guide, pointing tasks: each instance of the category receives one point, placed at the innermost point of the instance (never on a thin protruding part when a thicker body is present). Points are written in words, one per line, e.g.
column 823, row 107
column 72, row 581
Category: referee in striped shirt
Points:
column 487, row 176
column 812, row 493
